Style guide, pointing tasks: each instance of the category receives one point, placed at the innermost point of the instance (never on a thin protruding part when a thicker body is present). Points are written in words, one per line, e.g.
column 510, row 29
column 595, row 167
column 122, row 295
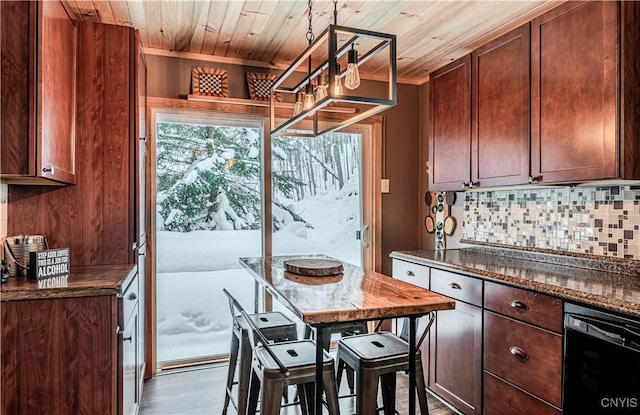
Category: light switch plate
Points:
column 385, row 185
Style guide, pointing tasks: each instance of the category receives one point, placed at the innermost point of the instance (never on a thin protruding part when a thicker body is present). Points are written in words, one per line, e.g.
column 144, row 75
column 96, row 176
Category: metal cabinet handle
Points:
column 519, row 305
column 411, row 274
column 464, row 185
column 127, row 339
column 49, row 169
column 534, row 179
column 132, row 297
column 455, row 286
column 473, row 184
column 518, row 353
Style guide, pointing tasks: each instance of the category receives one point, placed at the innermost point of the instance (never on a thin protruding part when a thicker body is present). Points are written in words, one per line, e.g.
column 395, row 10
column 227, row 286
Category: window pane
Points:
column 316, row 195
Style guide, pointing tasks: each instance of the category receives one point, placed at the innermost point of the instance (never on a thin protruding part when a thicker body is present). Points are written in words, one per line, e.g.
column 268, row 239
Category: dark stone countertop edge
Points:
column 549, row 256
column 594, row 300
column 115, row 286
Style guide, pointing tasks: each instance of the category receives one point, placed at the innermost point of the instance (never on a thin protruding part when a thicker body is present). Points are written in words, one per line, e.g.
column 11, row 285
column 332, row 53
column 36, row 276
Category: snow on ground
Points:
column 193, row 317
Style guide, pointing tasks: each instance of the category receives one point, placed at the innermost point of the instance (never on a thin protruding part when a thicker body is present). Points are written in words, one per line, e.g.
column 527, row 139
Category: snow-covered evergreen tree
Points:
column 209, row 177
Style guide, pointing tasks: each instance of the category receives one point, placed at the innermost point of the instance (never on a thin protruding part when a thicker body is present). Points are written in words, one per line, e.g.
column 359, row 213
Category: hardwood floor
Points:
column 200, row 391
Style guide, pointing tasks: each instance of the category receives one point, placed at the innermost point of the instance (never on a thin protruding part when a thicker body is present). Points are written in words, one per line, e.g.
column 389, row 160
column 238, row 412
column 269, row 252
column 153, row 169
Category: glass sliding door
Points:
column 208, row 213
column 317, row 196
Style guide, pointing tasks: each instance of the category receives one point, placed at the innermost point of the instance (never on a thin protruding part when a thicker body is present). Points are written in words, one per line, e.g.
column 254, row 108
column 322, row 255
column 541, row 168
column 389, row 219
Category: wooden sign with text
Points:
column 49, row 263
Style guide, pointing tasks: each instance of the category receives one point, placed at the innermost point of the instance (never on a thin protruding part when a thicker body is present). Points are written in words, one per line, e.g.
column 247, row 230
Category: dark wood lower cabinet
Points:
column 59, row 356
column 501, row 398
column 455, row 357
column 77, row 355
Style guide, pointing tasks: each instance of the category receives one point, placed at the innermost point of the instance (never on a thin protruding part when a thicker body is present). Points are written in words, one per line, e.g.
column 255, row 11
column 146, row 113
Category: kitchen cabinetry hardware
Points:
column 535, row 179
column 411, row 274
column 50, row 169
column 473, row 184
column 464, row 185
column 132, row 297
column 518, row 353
column 455, row 286
column 127, row 339
column 519, row 305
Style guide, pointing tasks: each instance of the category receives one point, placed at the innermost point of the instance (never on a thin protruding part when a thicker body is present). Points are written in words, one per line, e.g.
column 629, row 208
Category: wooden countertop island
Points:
column 81, row 282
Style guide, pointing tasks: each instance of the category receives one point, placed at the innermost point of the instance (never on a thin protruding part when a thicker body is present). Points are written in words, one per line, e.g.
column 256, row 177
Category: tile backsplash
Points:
column 592, row 220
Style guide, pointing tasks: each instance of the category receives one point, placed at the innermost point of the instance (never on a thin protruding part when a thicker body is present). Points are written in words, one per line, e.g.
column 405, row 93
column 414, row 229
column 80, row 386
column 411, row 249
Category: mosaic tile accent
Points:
column 592, row 220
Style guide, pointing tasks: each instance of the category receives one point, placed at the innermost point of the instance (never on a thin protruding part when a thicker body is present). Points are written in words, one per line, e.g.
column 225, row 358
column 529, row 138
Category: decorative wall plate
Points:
column 211, row 82
column 260, row 86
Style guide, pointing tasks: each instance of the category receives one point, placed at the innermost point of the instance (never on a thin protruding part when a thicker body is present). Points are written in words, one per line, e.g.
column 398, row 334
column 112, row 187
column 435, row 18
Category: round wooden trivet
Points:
column 314, row 267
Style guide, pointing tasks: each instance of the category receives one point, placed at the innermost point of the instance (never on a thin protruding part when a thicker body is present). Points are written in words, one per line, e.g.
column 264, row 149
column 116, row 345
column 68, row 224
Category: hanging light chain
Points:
column 335, row 12
column 310, row 35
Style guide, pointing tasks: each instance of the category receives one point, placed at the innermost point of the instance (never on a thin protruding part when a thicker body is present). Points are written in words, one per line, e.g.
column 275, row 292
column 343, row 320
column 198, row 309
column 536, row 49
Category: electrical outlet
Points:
column 385, row 186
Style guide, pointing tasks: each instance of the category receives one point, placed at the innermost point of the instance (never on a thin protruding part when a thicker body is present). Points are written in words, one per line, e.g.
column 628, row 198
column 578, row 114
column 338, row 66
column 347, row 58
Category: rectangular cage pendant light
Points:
column 336, row 107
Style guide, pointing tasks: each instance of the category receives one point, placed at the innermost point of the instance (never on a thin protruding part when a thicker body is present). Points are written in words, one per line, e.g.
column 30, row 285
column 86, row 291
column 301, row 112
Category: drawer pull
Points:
column 127, row 339
column 519, row 353
column 455, row 286
column 411, row 274
column 518, row 305
column 132, row 297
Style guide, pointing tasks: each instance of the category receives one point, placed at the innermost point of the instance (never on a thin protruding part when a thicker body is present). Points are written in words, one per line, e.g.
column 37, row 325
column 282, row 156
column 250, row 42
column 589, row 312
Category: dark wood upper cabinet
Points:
column 39, row 49
column 500, row 110
column 450, row 126
column 556, row 101
column 574, row 92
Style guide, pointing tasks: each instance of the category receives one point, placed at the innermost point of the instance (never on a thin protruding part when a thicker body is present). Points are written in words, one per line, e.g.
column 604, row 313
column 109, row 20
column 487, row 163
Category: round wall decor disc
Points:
column 429, row 225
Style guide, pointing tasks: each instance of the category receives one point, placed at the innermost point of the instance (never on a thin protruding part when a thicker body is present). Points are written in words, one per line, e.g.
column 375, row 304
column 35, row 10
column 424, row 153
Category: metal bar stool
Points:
column 274, row 326
column 344, row 329
column 379, row 356
column 290, row 363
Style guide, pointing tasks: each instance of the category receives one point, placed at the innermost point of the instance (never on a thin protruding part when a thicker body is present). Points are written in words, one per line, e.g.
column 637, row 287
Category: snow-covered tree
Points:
column 209, row 177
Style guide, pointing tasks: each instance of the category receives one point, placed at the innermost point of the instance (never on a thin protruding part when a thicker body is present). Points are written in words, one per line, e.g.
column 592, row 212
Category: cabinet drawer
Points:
column 411, row 273
column 528, row 357
column 502, row 398
column 457, row 286
column 538, row 309
column 130, row 298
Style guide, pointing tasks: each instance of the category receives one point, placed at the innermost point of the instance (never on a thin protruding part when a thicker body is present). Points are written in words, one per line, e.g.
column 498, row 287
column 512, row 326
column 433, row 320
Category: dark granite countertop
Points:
column 81, row 282
column 618, row 292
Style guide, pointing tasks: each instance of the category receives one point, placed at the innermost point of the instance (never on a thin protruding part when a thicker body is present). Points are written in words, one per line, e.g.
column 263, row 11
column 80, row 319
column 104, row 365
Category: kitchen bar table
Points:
column 354, row 295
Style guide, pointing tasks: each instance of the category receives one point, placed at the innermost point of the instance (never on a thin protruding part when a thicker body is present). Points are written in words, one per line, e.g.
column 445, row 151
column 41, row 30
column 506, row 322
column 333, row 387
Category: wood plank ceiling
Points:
column 272, row 32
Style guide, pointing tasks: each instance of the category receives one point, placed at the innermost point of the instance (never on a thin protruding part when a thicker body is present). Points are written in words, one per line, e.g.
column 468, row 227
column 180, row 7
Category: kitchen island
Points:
column 353, row 295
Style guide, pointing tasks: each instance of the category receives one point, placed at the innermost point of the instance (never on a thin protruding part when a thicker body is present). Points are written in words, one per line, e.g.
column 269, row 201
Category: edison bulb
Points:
column 352, row 77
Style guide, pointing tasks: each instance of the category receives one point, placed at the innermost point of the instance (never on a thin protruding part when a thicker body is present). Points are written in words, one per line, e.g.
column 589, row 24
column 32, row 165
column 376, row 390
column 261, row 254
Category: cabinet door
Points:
column 141, row 124
column 59, row 356
column 574, row 75
column 38, row 111
column 130, row 373
column 450, row 123
column 500, row 120
column 455, row 357
column 56, row 93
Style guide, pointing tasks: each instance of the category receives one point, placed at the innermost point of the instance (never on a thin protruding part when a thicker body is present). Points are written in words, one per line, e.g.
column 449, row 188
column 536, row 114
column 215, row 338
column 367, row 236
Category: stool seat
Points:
column 378, row 356
column 375, row 348
column 278, row 365
column 274, row 326
column 299, row 357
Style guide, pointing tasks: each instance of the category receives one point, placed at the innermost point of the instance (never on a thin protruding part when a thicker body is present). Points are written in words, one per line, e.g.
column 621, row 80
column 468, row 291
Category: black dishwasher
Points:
column 602, row 363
